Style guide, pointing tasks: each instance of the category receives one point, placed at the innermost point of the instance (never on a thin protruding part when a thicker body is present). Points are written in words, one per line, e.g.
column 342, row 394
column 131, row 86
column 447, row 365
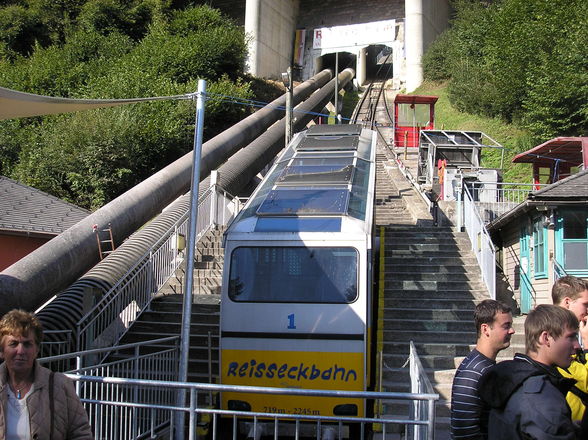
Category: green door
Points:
column 524, row 272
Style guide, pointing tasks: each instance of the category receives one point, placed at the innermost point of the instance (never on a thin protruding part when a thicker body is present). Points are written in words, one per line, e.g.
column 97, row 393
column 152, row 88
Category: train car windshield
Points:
column 294, row 274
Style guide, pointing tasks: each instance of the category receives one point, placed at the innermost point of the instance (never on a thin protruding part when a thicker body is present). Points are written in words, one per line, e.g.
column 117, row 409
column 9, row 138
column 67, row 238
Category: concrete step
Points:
column 431, row 325
column 428, row 314
column 440, row 303
column 433, row 276
column 432, row 268
column 421, row 336
column 433, row 285
column 412, row 260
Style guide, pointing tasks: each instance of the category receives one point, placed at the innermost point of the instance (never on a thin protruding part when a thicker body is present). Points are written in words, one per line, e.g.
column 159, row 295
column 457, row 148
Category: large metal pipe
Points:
column 67, row 309
column 249, row 161
column 35, row 278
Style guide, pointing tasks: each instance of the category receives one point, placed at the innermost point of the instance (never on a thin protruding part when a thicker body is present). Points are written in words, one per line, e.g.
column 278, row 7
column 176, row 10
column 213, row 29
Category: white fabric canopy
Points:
column 14, row 104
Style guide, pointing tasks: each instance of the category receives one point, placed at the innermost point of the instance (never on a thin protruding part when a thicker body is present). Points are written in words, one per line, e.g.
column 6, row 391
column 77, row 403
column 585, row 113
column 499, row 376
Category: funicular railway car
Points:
column 296, row 307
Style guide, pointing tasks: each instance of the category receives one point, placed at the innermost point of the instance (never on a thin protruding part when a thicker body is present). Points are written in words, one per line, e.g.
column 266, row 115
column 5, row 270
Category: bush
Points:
column 436, row 59
column 91, row 157
column 519, row 60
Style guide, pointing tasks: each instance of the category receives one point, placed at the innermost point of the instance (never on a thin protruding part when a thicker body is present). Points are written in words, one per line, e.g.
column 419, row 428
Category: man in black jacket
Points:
column 527, row 394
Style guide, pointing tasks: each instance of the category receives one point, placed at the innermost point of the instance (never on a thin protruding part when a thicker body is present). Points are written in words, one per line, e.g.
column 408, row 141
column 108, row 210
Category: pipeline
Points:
column 34, row 279
column 66, row 310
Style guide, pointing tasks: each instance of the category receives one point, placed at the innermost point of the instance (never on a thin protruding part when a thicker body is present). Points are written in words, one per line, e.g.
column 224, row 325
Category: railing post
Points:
column 214, row 198
column 189, row 283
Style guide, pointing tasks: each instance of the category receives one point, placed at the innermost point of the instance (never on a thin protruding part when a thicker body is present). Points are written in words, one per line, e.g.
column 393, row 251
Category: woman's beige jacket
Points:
column 70, row 420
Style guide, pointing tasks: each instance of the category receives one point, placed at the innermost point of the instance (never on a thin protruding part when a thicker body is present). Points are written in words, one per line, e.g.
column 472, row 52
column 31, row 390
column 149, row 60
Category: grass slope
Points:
column 513, row 138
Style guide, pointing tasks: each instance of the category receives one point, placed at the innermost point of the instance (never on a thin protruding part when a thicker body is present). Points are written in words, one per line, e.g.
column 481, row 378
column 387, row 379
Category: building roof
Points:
column 28, row 210
column 571, row 190
column 573, row 150
column 574, row 187
column 415, row 99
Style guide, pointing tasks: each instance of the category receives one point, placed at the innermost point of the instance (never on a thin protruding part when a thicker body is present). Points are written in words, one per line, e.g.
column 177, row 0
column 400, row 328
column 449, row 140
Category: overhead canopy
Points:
column 573, row 150
column 14, row 104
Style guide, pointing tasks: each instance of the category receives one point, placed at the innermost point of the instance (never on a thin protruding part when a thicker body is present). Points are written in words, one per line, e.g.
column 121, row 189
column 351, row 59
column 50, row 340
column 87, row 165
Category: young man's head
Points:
column 494, row 327
column 551, row 335
column 571, row 293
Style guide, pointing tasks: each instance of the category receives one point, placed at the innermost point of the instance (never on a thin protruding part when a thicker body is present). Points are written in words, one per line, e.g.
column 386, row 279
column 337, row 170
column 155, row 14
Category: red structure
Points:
column 412, row 113
column 554, row 159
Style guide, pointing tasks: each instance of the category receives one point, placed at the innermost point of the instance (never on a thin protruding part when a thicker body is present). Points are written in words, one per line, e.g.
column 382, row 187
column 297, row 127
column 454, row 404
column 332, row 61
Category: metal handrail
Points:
column 408, row 175
column 119, row 395
column 496, row 198
column 480, row 241
column 558, row 270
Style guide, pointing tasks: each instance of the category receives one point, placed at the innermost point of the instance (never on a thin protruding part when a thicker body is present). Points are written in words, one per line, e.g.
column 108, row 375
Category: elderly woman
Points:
column 35, row 403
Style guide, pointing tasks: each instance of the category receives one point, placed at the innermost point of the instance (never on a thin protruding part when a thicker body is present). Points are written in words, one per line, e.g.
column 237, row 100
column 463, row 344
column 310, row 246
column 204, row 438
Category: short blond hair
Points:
column 20, row 323
column 546, row 317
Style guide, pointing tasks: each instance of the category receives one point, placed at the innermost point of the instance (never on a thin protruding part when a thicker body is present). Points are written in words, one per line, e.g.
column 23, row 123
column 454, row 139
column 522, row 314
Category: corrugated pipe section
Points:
column 37, row 277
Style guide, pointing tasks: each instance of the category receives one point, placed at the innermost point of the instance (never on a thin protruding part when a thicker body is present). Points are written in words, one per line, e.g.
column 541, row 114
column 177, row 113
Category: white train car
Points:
column 296, row 307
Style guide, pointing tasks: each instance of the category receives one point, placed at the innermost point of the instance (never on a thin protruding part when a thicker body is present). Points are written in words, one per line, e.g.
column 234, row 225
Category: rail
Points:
column 420, row 409
column 110, row 318
column 134, row 396
column 493, row 199
column 408, row 175
column 558, row 270
column 132, row 408
column 480, row 240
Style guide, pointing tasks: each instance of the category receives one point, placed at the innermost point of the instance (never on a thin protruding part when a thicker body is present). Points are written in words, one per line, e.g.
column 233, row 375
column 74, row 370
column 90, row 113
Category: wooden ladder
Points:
column 102, row 244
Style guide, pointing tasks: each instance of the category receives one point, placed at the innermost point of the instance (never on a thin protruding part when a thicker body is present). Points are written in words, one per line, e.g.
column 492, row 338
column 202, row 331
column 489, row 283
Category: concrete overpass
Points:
column 310, row 33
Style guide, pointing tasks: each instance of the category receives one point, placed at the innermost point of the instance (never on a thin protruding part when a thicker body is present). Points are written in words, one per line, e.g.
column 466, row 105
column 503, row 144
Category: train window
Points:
column 307, row 201
column 358, row 198
column 294, row 274
column 317, row 174
column 329, row 143
column 315, row 161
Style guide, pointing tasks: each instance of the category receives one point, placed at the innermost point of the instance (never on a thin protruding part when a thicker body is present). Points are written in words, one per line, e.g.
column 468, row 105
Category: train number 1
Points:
column 291, row 324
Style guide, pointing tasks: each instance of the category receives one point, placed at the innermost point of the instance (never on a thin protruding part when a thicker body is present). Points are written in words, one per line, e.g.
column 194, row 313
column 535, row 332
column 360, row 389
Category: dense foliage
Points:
column 112, row 49
column 519, row 60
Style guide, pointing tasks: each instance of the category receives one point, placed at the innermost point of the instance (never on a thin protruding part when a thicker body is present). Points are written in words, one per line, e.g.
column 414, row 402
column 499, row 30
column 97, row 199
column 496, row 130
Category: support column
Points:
column 361, row 67
column 413, row 43
column 252, row 29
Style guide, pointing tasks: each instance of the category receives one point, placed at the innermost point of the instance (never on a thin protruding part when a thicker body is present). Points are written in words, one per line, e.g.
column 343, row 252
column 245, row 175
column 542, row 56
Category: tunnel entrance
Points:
column 346, row 60
column 378, row 62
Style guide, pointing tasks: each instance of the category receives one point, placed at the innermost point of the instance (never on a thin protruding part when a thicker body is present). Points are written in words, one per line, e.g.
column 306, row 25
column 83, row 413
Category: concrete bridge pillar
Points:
column 413, row 43
column 361, row 66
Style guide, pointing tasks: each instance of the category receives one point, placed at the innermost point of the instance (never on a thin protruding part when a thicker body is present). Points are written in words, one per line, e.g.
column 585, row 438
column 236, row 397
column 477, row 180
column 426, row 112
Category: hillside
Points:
column 513, row 138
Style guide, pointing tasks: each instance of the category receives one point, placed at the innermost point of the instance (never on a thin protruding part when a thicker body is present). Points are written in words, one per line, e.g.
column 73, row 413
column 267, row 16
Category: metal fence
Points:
column 133, row 395
column 105, row 324
column 155, row 360
column 480, row 240
column 109, row 399
column 494, row 199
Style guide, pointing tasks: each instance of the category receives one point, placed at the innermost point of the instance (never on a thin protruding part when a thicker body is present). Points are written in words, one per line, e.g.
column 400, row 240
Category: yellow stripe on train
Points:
column 284, row 369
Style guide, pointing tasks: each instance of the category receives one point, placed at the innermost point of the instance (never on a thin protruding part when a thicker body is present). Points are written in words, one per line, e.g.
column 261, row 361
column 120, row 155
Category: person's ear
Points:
column 566, row 302
column 484, row 329
column 544, row 339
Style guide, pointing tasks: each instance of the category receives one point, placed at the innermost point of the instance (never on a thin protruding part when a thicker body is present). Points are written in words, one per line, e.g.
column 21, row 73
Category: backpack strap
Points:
column 51, row 403
column 581, row 394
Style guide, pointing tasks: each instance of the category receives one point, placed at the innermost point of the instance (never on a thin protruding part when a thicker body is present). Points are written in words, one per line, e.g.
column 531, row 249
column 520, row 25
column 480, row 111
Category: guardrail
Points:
column 110, row 318
column 118, row 409
column 408, row 175
column 480, row 240
column 134, row 396
column 151, row 360
column 558, row 270
column 492, row 199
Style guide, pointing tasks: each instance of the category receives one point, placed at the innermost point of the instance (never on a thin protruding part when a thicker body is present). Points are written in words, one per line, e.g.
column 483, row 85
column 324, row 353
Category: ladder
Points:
column 103, row 244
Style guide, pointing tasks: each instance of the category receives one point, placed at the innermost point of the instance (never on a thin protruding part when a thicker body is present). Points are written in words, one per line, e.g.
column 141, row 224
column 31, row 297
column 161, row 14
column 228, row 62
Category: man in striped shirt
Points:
column 469, row 417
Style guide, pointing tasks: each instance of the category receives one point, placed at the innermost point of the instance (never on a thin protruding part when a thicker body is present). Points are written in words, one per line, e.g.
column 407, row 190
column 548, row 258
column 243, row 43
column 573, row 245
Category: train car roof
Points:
column 322, row 182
